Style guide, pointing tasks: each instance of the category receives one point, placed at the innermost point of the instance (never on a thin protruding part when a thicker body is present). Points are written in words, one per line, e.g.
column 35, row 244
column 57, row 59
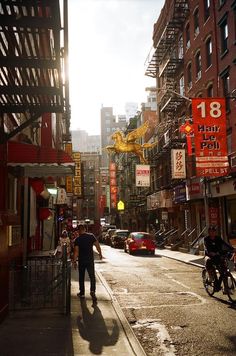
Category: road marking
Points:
column 139, row 305
column 177, row 282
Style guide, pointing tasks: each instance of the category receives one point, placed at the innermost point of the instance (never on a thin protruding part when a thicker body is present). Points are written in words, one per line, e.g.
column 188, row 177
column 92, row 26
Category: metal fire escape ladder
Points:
column 30, row 63
column 165, row 33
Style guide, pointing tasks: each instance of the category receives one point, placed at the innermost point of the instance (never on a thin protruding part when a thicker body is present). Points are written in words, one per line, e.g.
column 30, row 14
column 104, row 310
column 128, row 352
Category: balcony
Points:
column 30, row 62
column 169, row 66
column 171, row 101
column 166, row 30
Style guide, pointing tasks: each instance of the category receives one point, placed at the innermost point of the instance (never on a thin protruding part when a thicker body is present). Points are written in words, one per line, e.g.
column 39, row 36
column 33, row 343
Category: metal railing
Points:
column 43, row 283
column 198, row 238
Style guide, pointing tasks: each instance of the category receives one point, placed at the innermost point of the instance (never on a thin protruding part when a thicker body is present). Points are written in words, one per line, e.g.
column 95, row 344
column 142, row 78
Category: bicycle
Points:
column 226, row 282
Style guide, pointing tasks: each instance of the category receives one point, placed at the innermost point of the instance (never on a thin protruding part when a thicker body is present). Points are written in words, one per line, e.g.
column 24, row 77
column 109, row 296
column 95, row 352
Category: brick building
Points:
column 193, row 56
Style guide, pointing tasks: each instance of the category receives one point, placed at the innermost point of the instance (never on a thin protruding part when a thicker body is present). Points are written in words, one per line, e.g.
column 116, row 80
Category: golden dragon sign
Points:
column 127, row 143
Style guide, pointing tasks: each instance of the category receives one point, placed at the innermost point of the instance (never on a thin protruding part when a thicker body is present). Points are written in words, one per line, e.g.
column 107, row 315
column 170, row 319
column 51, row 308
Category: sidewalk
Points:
column 182, row 257
column 89, row 330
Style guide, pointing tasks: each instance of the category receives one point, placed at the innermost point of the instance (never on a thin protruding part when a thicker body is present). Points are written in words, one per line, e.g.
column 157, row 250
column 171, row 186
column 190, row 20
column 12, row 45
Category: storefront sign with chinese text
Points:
column 178, row 164
column 113, row 185
column 142, row 175
column 77, row 177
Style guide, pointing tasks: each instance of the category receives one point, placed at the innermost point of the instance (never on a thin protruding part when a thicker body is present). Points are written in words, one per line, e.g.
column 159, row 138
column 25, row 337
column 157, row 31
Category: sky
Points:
column 109, row 41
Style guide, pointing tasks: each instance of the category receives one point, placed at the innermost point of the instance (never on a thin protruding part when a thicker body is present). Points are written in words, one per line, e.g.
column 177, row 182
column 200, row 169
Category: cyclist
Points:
column 215, row 249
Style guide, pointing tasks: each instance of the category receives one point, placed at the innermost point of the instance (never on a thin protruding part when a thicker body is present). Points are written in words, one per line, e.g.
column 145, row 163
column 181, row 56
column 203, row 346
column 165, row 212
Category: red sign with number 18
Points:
column 209, row 123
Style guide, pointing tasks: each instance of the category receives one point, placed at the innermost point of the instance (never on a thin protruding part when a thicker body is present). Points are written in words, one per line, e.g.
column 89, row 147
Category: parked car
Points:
column 118, row 238
column 107, row 238
column 105, row 229
column 139, row 241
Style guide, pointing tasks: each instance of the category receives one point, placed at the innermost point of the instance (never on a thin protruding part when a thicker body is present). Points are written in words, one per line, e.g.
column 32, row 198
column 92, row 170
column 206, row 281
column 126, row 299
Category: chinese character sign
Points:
column 113, row 185
column 77, row 177
column 178, row 164
column 142, row 175
column 209, row 121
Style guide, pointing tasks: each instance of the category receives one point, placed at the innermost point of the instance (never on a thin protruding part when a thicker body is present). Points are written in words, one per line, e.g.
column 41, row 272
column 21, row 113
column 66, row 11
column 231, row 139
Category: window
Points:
column 196, row 22
column 210, row 91
column 198, row 65
column 226, row 87
column 181, row 85
column 209, row 52
column 189, row 75
column 12, row 194
column 180, row 48
column 206, row 9
column 224, row 34
column 187, row 36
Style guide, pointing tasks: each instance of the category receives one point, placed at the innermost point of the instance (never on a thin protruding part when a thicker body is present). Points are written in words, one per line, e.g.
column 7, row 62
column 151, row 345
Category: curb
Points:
column 131, row 337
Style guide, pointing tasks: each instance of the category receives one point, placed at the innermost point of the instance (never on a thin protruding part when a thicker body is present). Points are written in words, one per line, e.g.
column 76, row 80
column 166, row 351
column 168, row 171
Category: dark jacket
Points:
column 216, row 245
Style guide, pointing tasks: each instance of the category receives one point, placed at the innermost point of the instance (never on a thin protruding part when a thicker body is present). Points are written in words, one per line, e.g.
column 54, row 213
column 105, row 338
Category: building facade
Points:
column 89, row 206
column 34, row 130
column 83, row 142
column 193, row 56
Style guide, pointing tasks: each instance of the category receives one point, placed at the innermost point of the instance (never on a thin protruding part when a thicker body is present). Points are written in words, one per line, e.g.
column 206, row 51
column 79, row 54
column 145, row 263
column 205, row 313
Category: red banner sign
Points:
column 113, row 185
column 209, row 123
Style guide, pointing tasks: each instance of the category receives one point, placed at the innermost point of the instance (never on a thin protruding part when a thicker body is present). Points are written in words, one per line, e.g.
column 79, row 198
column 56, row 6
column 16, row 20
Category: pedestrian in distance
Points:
column 63, row 240
column 83, row 250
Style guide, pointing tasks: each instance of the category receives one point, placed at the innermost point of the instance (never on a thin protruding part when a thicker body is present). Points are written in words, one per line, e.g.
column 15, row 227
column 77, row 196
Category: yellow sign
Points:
column 120, row 205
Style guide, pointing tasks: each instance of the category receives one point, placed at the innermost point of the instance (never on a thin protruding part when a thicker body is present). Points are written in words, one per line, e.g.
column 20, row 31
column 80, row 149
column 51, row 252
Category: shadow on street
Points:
column 92, row 327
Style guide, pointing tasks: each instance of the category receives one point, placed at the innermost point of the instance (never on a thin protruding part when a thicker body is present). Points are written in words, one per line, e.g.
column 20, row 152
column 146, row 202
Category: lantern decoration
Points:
column 37, row 185
column 187, row 128
column 39, row 188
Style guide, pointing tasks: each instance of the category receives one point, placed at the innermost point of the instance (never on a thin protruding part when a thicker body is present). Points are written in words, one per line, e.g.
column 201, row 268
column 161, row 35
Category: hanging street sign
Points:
column 209, row 124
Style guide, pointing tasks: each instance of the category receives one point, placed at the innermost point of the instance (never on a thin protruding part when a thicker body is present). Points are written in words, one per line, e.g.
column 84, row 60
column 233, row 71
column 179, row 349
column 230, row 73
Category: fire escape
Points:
column 31, row 59
column 166, row 56
column 165, row 64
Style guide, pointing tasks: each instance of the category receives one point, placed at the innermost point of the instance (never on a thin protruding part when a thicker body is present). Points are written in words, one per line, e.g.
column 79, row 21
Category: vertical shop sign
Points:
column 113, row 185
column 178, row 164
column 77, row 177
column 69, row 179
column 142, row 175
column 209, row 122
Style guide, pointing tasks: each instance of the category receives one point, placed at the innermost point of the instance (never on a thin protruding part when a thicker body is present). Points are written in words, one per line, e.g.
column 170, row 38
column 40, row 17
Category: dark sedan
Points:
column 118, row 238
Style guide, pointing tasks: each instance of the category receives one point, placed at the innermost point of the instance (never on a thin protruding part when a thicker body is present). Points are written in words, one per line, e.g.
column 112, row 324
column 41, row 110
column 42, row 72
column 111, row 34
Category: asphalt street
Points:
column 166, row 305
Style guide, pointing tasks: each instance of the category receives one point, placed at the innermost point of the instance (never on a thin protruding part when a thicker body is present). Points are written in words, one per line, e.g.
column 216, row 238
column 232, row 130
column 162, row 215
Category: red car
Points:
column 139, row 241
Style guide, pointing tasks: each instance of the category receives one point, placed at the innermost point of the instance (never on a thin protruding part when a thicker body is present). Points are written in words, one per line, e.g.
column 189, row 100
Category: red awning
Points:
column 39, row 161
column 26, row 153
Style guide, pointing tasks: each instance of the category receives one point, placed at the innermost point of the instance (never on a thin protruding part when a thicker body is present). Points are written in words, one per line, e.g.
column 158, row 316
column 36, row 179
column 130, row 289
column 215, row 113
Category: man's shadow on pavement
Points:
column 92, row 327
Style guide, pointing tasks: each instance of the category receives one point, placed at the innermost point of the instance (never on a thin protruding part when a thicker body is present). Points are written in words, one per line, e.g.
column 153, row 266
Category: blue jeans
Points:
column 89, row 266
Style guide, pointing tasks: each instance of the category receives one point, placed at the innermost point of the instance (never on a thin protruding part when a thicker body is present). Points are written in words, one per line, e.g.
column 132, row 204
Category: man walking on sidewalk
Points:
column 83, row 250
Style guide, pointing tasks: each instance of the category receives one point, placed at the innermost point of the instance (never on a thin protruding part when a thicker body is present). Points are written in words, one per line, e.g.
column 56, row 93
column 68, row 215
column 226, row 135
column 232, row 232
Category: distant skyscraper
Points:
column 109, row 124
column 83, row 142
